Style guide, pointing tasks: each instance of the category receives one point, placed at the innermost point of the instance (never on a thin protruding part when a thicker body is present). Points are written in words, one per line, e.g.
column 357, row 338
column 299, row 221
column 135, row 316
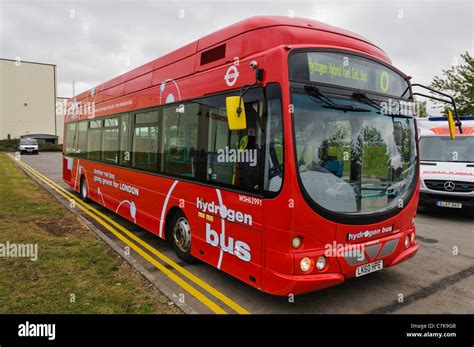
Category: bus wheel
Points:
column 83, row 189
column 181, row 237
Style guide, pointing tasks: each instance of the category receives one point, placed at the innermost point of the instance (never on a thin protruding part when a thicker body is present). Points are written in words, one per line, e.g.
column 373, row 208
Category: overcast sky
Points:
column 93, row 41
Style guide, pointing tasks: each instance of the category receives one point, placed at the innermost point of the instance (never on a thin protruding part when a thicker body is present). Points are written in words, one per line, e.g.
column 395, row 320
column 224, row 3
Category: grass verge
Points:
column 75, row 271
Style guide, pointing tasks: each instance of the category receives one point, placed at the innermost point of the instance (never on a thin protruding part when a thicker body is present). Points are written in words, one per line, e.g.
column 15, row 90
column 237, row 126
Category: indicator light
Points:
column 306, row 264
column 321, row 263
column 296, row 242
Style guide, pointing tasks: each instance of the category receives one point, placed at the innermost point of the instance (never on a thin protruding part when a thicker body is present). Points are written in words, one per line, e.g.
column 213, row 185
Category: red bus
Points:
column 260, row 149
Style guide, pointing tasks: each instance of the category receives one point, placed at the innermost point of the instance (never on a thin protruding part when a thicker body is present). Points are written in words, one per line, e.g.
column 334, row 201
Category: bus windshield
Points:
column 442, row 148
column 353, row 162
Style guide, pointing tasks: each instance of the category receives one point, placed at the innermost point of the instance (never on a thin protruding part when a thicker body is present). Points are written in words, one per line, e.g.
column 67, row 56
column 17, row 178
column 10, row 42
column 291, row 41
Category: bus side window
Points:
column 110, row 140
column 234, row 157
column 274, row 152
column 180, row 139
column 124, row 151
column 94, row 139
column 82, row 139
column 69, row 143
column 145, row 141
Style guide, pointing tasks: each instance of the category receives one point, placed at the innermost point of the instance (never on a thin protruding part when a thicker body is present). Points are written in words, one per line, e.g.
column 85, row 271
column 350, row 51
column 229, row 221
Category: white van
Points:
column 28, row 145
column 446, row 165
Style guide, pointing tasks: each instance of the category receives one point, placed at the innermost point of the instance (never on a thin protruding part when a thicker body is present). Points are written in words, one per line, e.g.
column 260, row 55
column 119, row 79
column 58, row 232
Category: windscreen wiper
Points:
column 362, row 97
column 316, row 93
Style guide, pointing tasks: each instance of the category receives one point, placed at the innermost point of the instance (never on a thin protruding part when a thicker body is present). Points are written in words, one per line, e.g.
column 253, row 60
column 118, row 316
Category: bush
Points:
column 9, row 145
column 50, row 147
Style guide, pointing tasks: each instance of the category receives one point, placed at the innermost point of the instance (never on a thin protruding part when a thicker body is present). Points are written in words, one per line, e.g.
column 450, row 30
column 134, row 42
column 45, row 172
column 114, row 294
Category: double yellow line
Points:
column 114, row 228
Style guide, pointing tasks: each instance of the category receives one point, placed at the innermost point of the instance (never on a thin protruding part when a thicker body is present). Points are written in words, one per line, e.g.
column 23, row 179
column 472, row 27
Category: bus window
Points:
column 233, row 157
column 110, row 140
column 82, row 139
column 125, row 139
column 70, row 140
column 274, row 154
column 94, row 137
column 180, row 139
column 145, row 141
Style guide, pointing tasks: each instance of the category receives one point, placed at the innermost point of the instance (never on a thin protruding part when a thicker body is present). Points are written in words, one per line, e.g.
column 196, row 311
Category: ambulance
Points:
column 446, row 165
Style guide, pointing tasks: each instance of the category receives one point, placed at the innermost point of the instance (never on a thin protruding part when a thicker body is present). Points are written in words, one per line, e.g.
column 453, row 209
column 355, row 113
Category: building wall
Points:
column 27, row 99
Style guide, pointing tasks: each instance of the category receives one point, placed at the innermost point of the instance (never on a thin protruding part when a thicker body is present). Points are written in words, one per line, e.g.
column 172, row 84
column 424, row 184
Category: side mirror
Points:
column 236, row 117
column 452, row 126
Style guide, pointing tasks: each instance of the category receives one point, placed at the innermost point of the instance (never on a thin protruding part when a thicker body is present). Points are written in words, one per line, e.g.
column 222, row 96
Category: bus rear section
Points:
column 446, row 165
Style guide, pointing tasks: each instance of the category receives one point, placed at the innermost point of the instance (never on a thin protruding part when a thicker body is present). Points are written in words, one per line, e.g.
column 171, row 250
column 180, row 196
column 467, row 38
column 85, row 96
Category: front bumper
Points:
column 29, row 149
column 284, row 284
column 429, row 199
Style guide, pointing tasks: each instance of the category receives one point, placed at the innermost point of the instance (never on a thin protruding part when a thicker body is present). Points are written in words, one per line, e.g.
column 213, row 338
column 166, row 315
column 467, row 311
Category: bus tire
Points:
column 180, row 236
column 83, row 189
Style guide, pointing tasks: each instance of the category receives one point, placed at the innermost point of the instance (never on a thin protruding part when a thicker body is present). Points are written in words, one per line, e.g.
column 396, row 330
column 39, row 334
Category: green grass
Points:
column 71, row 259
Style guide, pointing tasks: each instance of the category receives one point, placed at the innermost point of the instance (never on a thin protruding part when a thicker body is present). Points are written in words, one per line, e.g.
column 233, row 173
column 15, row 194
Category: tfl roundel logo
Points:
column 231, row 75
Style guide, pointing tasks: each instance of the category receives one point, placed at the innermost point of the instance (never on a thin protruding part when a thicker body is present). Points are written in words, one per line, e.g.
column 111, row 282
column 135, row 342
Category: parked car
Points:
column 28, row 146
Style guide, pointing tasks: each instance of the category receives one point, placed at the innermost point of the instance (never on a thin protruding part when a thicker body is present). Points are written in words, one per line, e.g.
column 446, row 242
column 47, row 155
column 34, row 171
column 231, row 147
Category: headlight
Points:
column 296, row 242
column 407, row 241
column 412, row 237
column 306, row 264
column 321, row 263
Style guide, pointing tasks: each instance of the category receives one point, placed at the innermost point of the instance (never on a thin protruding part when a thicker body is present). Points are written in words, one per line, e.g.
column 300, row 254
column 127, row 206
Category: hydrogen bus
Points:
column 260, row 149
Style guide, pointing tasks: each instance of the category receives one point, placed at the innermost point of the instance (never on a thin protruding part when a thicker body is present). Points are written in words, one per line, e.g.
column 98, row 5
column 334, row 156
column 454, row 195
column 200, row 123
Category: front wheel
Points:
column 83, row 189
column 180, row 236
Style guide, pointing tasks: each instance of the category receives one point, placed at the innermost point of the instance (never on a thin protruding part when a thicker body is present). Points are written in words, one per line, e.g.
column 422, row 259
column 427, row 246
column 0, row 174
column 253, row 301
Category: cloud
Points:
column 91, row 42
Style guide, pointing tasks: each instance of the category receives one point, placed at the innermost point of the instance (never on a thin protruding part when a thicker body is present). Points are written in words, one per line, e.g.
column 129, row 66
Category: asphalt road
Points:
column 439, row 279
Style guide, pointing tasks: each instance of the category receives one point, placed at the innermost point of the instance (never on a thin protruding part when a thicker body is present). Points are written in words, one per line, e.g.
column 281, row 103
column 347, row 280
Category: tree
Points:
column 421, row 109
column 458, row 81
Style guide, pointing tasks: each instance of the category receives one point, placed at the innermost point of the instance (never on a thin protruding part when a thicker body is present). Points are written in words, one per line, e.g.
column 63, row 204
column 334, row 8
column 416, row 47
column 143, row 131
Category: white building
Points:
column 28, row 101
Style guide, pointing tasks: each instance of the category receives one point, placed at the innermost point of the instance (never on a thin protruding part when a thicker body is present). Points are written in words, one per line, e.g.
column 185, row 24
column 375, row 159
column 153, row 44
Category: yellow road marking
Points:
column 198, row 295
column 229, row 302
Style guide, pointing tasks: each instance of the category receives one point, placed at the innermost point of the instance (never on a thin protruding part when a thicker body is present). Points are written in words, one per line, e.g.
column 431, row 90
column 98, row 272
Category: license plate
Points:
column 368, row 268
column 448, row 204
